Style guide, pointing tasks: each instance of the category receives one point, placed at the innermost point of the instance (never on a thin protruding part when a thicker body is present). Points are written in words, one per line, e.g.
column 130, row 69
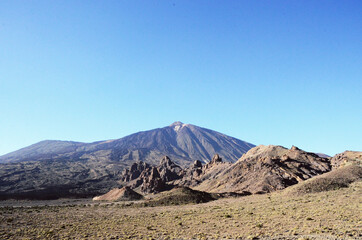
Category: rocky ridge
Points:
column 266, row 169
column 263, row 169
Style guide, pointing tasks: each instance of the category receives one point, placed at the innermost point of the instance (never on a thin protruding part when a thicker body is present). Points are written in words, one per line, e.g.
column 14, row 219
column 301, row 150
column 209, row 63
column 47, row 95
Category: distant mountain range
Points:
column 52, row 169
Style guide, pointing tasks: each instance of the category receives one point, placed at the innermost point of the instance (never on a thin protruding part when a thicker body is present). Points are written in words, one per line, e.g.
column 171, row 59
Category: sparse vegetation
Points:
column 309, row 216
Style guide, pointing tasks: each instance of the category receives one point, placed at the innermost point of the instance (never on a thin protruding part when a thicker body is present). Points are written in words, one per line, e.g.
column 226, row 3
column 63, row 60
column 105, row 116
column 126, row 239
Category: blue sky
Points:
column 267, row 72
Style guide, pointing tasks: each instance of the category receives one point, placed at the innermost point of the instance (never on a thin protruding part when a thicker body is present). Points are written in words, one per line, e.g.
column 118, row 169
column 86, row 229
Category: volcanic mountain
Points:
column 52, row 169
column 183, row 143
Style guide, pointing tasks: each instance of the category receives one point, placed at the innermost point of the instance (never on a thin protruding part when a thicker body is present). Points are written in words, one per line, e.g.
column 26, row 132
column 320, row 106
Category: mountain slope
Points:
column 184, row 143
column 53, row 169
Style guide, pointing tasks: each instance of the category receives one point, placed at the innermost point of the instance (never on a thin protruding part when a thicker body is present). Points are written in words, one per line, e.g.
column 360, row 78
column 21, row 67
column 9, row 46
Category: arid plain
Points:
column 279, row 215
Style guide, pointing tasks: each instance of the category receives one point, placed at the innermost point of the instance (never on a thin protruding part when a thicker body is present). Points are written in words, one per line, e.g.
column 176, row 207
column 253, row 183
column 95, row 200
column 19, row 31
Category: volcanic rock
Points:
column 152, row 181
column 265, row 169
column 168, row 170
column 197, row 173
column 345, row 158
column 134, row 171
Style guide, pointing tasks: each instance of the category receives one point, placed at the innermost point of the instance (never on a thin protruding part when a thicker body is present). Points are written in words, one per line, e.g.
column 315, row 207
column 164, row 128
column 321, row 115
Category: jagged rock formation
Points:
column 216, row 159
column 168, row 170
column 262, row 169
column 134, row 171
column 168, row 174
column 345, row 158
column 116, row 194
column 266, row 169
column 191, row 175
column 151, row 181
column 212, row 169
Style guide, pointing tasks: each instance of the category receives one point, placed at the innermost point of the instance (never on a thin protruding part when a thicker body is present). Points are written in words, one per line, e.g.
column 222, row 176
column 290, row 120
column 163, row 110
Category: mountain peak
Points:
column 177, row 123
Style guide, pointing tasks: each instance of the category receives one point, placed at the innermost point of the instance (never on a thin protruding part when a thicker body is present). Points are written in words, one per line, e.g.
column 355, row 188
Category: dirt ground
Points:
column 327, row 215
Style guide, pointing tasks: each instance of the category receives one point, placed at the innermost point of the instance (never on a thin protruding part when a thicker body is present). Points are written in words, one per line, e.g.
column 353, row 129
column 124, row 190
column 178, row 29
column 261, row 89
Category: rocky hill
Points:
column 262, row 169
column 53, row 169
column 266, row 169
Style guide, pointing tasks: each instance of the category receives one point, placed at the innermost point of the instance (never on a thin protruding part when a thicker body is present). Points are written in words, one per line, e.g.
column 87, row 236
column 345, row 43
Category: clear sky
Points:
column 267, row 72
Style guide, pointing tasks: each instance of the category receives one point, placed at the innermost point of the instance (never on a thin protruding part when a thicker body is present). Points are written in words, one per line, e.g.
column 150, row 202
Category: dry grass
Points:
column 336, row 213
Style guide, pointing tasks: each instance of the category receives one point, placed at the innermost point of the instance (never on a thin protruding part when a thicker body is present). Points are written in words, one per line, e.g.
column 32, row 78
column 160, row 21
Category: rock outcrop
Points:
column 345, row 158
column 134, row 171
column 216, row 159
column 262, row 169
column 168, row 170
column 151, row 181
column 265, row 169
column 197, row 173
column 191, row 175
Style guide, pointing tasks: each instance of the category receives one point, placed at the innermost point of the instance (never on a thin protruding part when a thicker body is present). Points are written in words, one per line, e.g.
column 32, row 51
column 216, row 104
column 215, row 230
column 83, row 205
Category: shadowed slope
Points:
column 181, row 195
column 338, row 178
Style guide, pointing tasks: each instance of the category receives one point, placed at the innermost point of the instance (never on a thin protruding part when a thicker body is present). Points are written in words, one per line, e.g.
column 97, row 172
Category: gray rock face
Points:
column 168, row 170
column 134, row 171
column 151, row 181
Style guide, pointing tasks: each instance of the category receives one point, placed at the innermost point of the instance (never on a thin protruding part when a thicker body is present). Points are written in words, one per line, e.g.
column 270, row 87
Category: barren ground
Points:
column 327, row 215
